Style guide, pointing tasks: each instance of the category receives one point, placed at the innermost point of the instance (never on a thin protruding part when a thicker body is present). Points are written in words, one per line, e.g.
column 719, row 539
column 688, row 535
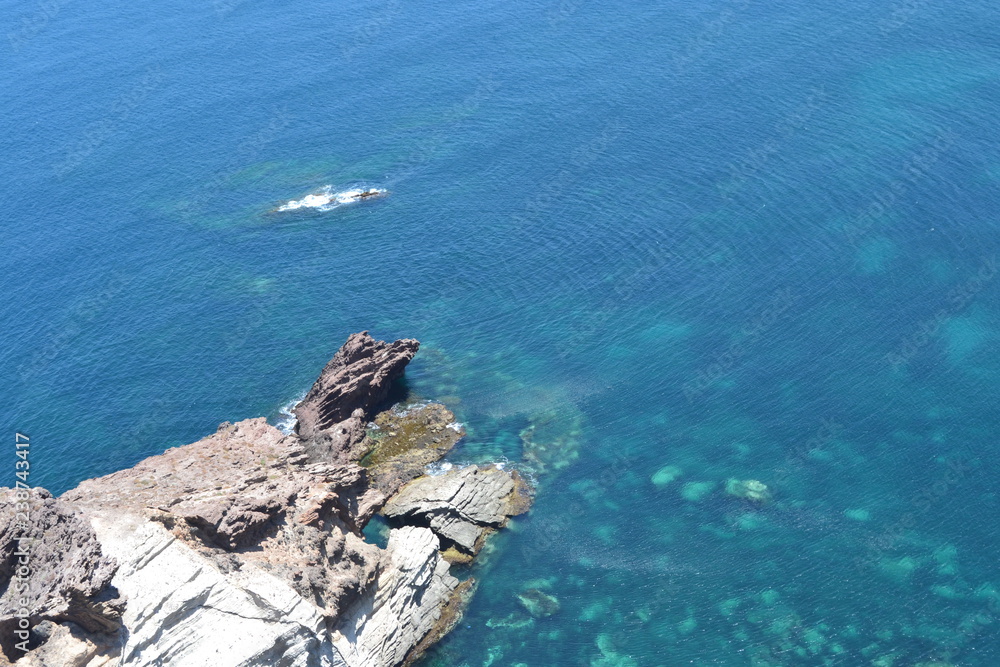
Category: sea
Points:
column 720, row 277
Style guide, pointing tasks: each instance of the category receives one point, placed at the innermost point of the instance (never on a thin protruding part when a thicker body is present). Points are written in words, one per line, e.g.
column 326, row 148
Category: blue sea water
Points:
column 649, row 248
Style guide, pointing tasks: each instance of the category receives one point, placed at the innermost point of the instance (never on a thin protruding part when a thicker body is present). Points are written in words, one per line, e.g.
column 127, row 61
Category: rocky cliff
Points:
column 245, row 548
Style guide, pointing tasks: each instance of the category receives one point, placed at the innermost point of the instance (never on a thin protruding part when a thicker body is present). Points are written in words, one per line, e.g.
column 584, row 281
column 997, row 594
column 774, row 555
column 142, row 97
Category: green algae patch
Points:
column 426, row 428
column 402, row 442
column 456, row 557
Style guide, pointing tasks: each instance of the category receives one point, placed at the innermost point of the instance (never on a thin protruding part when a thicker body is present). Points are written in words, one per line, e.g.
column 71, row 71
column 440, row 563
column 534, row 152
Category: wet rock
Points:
column 405, row 440
column 457, row 557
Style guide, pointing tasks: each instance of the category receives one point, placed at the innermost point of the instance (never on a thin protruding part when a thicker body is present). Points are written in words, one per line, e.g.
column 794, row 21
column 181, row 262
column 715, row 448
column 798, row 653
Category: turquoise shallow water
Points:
column 744, row 241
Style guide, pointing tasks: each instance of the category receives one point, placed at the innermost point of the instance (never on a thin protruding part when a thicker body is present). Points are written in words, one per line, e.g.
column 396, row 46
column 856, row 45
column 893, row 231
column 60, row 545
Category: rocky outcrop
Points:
column 357, row 378
column 405, row 440
column 52, row 568
column 247, row 496
column 245, row 548
column 461, row 506
column 381, row 628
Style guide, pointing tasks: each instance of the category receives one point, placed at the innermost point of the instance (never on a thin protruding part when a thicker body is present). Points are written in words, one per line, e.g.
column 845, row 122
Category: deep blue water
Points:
column 747, row 240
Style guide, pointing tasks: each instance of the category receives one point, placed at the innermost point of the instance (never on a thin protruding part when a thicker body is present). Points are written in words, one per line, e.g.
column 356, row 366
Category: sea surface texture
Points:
column 659, row 249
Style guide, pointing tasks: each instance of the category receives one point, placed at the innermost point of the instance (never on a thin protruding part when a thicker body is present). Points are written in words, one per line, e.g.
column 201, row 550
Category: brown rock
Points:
column 246, row 495
column 357, row 378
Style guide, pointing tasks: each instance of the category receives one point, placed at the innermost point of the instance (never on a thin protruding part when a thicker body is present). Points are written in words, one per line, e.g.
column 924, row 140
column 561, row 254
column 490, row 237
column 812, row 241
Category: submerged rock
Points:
column 610, row 656
column 538, row 603
column 552, row 440
column 697, row 491
column 749, row 489
column 666, row 475
column 511, row 621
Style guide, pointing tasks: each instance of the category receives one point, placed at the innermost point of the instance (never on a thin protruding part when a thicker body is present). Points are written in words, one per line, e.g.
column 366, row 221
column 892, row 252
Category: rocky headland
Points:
column 245, row 548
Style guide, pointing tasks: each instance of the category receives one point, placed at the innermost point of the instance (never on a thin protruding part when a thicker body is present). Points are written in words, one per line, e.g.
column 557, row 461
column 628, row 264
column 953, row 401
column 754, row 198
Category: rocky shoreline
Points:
column 245, row 548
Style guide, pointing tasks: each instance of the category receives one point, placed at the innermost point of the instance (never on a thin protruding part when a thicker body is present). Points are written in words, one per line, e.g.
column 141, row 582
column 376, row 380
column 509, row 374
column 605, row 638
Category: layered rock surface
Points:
column 357, row 378
column 461, row 506
column 245, row 548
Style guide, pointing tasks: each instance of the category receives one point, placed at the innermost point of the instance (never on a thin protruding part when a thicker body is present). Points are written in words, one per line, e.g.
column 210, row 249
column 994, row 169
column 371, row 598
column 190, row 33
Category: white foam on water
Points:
column 439, row 468
column 286, row 418
column 326, row 199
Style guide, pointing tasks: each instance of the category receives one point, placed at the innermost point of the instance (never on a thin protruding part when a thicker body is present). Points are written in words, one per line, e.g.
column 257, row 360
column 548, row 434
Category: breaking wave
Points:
column 326, row 199
column 286, row 419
